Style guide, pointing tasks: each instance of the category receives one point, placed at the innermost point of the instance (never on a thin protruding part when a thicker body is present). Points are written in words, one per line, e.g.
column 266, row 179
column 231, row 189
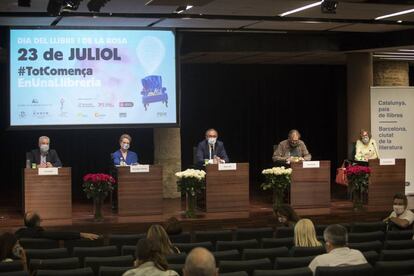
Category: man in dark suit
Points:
column 44, row 157
column 211, row 150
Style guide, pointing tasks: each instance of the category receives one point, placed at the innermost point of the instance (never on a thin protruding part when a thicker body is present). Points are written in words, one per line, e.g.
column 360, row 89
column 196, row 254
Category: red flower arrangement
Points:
column 358, row 178
column 357, row 170
column 98, row 185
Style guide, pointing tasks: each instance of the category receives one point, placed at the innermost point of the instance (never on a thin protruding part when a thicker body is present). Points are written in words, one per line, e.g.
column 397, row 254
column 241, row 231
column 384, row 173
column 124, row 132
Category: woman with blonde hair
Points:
column 305, row 234
column 157, row 232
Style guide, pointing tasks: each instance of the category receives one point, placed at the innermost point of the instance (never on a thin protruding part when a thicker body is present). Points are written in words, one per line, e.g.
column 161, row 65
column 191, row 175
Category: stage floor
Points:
column 260, row 214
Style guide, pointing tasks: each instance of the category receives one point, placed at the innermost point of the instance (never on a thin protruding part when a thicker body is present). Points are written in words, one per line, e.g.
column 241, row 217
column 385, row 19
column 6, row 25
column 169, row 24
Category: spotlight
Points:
column 329, row 6
column 56, row 6
column 71, row 5
column 23, row 3
column 181, row 9
column 96, row 5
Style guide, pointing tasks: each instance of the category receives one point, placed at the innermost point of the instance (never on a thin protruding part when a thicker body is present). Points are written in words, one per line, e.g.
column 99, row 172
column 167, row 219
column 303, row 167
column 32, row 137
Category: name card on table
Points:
column 48, row 171
column 139, row 169
column 227, row 167
column 311, row 164
column 387, row 161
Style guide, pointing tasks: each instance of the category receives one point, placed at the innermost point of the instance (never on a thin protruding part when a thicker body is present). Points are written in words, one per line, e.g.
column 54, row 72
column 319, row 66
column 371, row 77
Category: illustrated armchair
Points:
column 152, row 91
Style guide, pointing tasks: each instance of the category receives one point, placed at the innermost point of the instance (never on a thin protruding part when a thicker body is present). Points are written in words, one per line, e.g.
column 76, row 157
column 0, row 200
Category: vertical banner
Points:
column 392, row 124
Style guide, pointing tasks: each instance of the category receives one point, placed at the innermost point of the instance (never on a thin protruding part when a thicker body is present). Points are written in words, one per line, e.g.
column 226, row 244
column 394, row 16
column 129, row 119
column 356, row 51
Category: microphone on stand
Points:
column 375, row 149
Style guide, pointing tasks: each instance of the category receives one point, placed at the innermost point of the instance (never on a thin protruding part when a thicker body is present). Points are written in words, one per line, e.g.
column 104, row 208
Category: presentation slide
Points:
column 62, row 77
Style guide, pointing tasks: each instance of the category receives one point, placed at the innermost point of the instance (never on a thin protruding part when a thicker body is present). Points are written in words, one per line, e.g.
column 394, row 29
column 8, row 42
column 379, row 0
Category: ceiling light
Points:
column 397, row 58
column 399, row 21
column 301, row 8
column 394, row 14
column 329, row 6
column 393, row 53
column 406, row 50
column 181, row 9
column 391, row 56
column 96, row 5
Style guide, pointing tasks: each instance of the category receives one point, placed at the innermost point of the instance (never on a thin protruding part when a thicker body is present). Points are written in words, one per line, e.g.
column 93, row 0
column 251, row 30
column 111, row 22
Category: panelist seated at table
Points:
column 366, row 147
column 124, row 156
column 291, row 150
column 211, row 150
column 44, row 157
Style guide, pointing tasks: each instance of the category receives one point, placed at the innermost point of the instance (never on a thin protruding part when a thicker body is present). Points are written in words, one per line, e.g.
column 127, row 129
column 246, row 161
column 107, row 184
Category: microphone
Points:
column 375, row 149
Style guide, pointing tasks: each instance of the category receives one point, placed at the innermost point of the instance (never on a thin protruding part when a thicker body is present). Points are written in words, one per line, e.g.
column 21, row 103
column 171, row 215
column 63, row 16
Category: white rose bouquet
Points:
column 191, row 182
column 278, row 179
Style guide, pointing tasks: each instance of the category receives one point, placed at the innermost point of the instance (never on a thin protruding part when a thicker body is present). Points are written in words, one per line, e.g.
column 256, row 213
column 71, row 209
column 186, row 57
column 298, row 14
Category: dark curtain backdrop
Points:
column 254, row 106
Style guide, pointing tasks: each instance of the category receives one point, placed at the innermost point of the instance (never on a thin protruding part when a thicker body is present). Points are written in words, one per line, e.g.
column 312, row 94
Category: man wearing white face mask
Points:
column 211, row 150
column 401, row 218
column 124, row 156
column 366, row 147
column 44, row 157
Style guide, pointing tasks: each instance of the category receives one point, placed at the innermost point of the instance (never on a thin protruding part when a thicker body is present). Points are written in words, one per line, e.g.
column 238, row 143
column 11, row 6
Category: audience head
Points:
column 286, row 215
column 9, row 247
column 125, row 141
column 32, row 219
column 294, row 137
column 44, row 144
column 399, row 203
column 200, row 262
column 305, row 234
column 149, row 251
column 173, row 226
column 364, row 136
column 335, row 236
column 211, row 136
column 157, row 233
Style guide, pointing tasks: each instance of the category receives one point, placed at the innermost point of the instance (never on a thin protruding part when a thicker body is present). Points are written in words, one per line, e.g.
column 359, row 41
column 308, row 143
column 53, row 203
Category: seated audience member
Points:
column 305, row 234
column 365, row 147
column 150, row 261
column 124, row 156
column 157, row 233
column 44, row 156
column 173, row 226
column 33, row 229
column 336, row 239
column 286, row 216
column 10, row 250
column 200, row 262
column 211, row 150
column 291, row 150
column 401, row 217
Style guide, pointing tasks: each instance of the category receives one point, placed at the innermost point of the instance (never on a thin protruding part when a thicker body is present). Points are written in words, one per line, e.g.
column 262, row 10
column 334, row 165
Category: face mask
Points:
column 281, row 219
column 398, row 209
column 212, row 140
column 365, row 140
column 17, row 250
column 44, row 148
column 125, row 146
column 294, row 144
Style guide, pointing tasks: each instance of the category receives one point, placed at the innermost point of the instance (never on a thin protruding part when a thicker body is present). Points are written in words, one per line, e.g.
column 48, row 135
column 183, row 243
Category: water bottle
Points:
column 121, row 161
column 28, row 165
